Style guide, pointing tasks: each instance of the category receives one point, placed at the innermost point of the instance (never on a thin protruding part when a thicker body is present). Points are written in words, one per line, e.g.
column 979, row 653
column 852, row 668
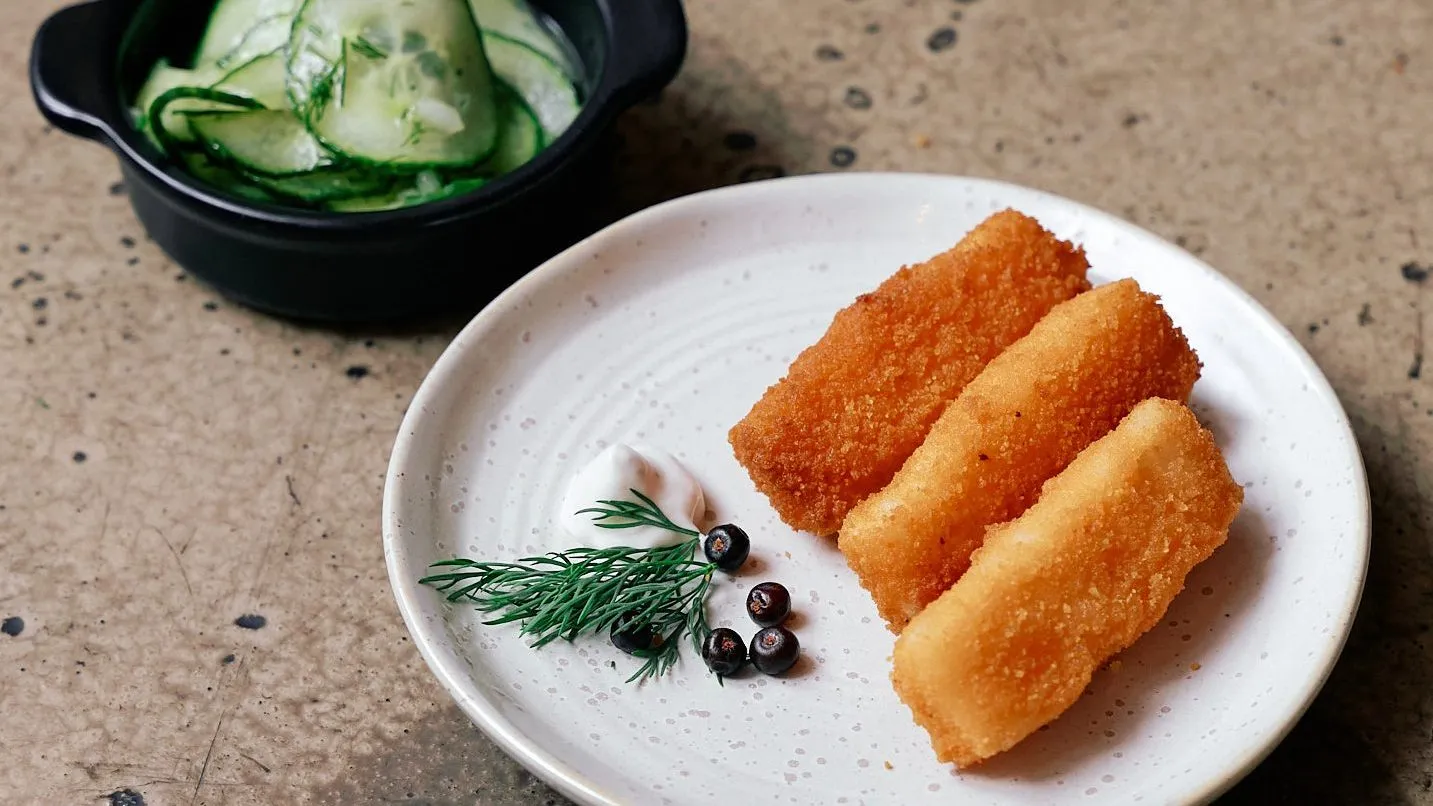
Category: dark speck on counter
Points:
column 127, row 242
column 117, row 189
column 828, row 53
column 12, row 626
column 227, row 659
column 211, row 306
column 843, row 156
column 857, row 98
column 357, row 371
column 1414, row 273
column 79, row 456
column 251, row 621
column 23, row 249
column 941, row 39
column 126, row 797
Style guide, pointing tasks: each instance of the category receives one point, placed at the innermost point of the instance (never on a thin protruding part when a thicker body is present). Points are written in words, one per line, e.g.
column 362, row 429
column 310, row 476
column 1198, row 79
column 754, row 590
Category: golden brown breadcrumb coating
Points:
column 856, row 403
column 1026, row 416
column 1051, row 596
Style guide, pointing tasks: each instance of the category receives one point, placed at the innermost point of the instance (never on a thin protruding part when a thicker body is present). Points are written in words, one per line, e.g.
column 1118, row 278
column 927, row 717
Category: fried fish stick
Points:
column 1051, row 596
column 1025, row 417
column 855, row 404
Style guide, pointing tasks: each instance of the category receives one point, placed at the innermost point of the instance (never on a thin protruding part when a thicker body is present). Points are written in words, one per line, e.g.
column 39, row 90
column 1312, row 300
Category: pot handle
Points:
column 648, row 45
column 69, row 75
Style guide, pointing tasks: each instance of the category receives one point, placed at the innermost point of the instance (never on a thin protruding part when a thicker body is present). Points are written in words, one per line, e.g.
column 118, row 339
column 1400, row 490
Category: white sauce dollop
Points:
column 611, row 476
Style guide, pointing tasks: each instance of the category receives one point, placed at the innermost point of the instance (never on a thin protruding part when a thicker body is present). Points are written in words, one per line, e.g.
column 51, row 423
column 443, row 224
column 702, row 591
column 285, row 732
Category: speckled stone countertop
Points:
column 191, row 580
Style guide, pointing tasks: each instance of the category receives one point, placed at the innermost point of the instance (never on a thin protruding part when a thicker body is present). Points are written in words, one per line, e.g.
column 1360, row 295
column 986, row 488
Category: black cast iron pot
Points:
column 345, row 267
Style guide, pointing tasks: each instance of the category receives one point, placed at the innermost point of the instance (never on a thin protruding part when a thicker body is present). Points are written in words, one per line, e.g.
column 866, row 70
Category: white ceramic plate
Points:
column 666, row 327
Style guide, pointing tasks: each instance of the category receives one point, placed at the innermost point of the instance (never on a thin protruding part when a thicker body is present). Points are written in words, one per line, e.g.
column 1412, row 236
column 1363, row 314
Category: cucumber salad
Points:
column 356, row 105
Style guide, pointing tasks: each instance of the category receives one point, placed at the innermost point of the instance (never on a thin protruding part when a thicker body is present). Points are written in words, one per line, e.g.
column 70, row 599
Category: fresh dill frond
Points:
column 586, row 591
column 632, row 515
column 362, row 46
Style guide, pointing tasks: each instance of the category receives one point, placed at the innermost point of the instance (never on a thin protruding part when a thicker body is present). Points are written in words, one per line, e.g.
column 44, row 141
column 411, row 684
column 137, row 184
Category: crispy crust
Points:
column 1080, row 576
column 1026, row 416
column 854, row 405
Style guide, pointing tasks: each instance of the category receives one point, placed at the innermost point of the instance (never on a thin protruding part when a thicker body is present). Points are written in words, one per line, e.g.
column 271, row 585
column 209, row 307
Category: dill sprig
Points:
column 633, row 515
column 583, row 591
column 364, row 47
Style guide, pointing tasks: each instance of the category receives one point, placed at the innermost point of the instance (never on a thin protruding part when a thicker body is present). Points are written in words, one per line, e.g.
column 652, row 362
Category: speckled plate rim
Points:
column 562, row 776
